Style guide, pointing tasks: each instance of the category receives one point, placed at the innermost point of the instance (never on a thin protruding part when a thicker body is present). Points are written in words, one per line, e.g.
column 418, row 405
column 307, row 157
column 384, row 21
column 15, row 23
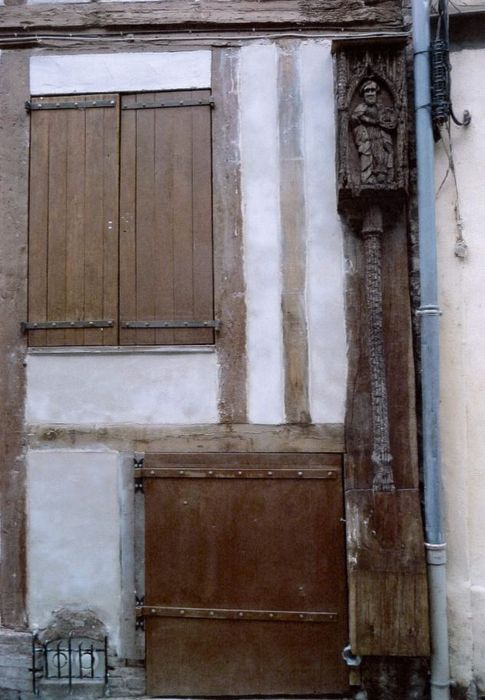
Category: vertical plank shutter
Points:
column 165, row 217
column 73, row 230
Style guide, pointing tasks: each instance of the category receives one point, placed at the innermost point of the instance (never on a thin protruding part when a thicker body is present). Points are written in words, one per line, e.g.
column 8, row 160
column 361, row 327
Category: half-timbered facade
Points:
column 210, row 474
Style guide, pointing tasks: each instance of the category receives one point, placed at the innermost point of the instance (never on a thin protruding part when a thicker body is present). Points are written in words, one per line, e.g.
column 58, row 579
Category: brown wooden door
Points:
column 245, row 574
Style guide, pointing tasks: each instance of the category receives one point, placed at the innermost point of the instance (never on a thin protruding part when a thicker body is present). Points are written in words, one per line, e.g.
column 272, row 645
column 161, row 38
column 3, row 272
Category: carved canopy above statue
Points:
column 372, row 130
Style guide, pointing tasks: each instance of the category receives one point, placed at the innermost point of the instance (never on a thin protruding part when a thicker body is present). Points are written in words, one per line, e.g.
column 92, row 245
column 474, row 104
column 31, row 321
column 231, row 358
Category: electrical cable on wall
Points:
column 442, row 112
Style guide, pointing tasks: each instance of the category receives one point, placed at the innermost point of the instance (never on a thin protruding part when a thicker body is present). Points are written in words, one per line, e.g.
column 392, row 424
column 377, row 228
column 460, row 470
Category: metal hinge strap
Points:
column 188, row 472
column 47, row 325
column 236, row 614
column 169, row 103
column 172, row 324
column 31, row 106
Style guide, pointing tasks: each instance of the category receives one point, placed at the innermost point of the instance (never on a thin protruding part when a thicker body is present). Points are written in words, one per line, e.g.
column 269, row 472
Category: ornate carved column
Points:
column 372, row 178
column 372, row 232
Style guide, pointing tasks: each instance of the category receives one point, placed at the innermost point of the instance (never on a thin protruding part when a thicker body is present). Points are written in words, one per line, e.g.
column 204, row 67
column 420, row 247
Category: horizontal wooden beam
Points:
column 380, row 14
column 327, row 437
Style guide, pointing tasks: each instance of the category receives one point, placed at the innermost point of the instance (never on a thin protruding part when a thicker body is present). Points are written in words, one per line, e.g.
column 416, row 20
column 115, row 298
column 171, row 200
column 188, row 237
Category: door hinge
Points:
column 170, row 103
column 34, row 105
column 49, row 325
column 140, row 618
column 212, row 323
column 138, row 462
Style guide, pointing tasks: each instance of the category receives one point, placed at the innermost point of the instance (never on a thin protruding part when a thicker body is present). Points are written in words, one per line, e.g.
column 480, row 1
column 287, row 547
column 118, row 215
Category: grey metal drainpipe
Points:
column 429, row 313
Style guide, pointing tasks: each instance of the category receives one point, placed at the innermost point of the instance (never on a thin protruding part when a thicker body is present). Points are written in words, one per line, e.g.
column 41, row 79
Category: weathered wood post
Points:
column 385, row 549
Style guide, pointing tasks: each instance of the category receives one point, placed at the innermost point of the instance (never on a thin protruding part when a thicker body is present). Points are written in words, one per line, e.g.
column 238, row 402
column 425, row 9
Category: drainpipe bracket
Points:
column 429, row 310
column 351, row 659
column 436, row 554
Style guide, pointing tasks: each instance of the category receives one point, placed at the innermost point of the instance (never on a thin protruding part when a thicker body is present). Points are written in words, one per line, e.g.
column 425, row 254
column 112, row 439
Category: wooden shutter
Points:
column 165, row 217
column 73, row 247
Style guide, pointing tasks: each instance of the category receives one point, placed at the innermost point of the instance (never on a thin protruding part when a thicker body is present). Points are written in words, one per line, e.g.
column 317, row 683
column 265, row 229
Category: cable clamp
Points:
column 429, row 310
column 436, row 553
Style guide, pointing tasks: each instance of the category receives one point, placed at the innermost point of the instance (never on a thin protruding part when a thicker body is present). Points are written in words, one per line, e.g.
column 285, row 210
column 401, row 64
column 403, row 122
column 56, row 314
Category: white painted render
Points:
column 119, row 72
column 327, row 348
column 462, row 299
column 260, row 184
column 135, row 388
column 73, row 535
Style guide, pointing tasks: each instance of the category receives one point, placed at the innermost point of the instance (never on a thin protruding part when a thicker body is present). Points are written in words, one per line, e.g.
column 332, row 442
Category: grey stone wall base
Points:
column 16, row 679
column 6, row 694
column 127, row 681
column 15, row 663
column 81, row 690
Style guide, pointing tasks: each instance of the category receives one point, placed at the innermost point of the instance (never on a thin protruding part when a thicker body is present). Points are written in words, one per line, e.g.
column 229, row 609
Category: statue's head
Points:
column 369, row 91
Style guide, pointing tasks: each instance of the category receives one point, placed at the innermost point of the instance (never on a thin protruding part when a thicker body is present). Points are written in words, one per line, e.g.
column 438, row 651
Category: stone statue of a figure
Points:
column 372, row 125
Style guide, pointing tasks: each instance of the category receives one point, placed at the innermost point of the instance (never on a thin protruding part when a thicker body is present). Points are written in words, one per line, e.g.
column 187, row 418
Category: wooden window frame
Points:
column 125, row 229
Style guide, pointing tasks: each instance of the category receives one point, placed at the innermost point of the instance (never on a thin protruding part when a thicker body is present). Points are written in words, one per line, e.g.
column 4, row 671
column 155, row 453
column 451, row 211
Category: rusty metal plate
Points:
column 256, row 546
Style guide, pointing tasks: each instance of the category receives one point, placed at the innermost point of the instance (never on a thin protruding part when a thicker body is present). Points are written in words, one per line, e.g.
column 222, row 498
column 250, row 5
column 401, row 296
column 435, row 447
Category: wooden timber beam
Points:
column 378, row 14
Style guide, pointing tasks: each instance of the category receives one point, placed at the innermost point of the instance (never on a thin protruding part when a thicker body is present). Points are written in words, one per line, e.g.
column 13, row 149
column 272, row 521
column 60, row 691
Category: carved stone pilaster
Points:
column 372, row 183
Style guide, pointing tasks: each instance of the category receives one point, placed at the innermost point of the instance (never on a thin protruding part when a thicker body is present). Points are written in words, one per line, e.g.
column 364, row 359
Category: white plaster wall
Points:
column 73, row 535
column 260, row 185
column 132, row 388
column 262, row 234
column 119, row 72
column 462, row 298
column 327, row 347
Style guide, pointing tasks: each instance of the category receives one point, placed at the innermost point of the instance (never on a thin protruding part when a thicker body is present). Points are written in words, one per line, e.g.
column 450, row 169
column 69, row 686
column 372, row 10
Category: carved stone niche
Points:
column 372, row 164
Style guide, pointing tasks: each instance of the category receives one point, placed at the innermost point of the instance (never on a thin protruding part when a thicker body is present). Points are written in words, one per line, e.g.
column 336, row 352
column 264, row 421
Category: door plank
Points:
column 128, row 226
column 146, row 269
column 203, row 292
column 38, row 218
column 57, row 224
column 109, row 336
column 76, row 148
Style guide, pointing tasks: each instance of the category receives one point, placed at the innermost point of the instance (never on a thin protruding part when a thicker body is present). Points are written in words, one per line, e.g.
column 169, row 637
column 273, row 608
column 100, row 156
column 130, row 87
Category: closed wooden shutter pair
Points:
column 120, row 219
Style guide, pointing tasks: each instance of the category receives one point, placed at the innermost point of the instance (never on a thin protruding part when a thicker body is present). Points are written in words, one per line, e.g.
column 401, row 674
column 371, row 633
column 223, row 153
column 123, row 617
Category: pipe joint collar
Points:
column 436, row 554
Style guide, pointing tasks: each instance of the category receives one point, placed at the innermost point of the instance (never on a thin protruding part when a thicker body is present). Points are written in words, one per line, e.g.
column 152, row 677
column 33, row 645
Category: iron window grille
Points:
column 66, row 660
